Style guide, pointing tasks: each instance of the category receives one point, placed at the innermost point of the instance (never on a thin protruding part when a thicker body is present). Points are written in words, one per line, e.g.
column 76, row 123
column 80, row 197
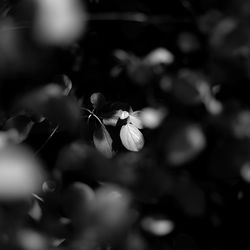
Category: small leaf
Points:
column 103, row 141
column 121, row 56
column 131, row 137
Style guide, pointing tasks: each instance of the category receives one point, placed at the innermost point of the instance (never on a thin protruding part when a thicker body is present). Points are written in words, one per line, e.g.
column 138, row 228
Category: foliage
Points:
column 124, row 124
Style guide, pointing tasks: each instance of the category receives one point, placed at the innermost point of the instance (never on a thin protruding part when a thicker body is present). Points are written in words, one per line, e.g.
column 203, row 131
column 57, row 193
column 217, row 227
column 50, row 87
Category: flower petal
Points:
column 131, row 137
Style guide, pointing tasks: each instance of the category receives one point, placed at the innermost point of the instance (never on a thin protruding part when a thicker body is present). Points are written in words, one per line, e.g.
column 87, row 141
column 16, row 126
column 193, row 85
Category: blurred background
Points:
column 125, row 125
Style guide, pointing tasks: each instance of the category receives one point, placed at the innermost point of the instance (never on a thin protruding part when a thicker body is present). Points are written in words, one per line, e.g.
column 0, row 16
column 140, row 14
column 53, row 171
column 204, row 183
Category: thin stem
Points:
column 98, row 119
column 21, row 27
column 50, row 136
column 85, row 109
column 38, row 197
column 89, row 118
column 129, row 17
column 135, row 17
column 92, row 114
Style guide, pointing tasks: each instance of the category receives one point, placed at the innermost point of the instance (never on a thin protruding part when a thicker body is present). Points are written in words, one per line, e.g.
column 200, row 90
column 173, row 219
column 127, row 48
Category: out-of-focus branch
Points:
column 136, row 17
column 115, row 16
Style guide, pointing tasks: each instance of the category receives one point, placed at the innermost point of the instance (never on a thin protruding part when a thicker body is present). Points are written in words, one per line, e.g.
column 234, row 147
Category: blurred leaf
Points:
column 190, row 198
column 65, row 82
column 140, row 72
column 183, row 142
column 188, row 42
column 140, row 172
column 157, row 225
column 241, row 124
column 8, row 138
column 81, row 162
column 135, row 242
column 159, row 56
column 112, row 209
column 59, row 22
column 122, row 56
column 49, row 186
column 36, row 211
column 223, row 28
column 152, row 118
column 112, row 118
column 245, row 172
column 228, row 157
column 184, row 242
column 20, row 123
column 51, row 102
column 97, row 100
column 103, row 141
column 31, row 240
column 191, row 88
column 77, row 203
column 21, row 174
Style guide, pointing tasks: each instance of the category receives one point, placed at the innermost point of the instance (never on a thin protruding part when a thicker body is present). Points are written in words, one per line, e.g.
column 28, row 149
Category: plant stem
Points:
column 92, row 114
column 50, row 136
column 85, row 109
column 135, row 17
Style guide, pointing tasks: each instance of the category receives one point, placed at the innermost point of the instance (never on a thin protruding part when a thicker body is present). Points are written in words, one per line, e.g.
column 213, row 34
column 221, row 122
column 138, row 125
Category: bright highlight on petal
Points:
column 131, row 137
